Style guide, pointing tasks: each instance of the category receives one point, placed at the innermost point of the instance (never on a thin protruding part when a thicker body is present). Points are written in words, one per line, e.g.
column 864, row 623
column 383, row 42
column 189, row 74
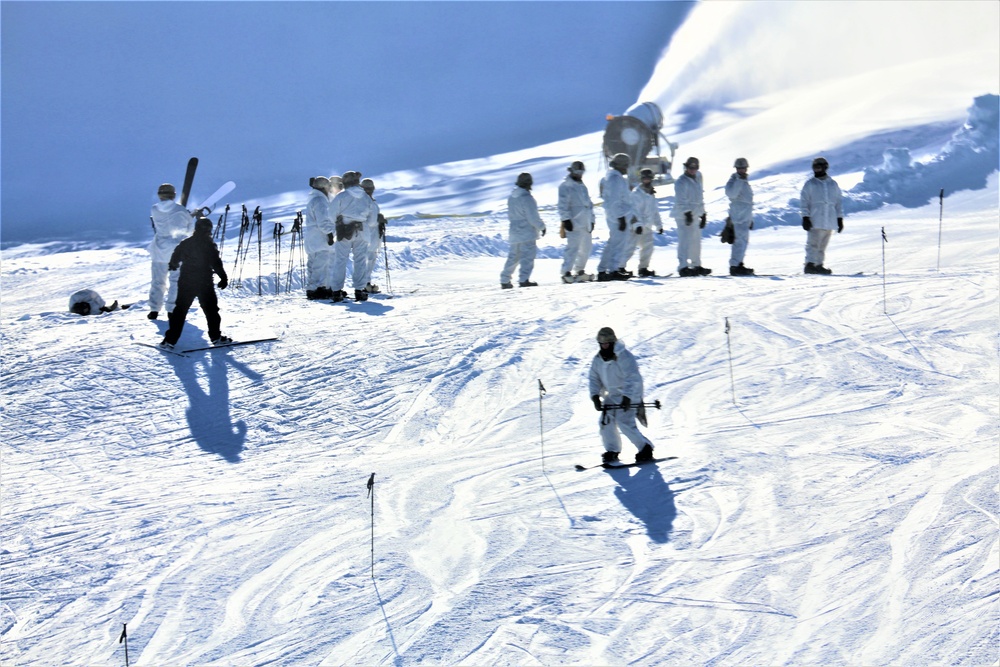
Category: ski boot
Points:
column 609, row 458
column 645, row 454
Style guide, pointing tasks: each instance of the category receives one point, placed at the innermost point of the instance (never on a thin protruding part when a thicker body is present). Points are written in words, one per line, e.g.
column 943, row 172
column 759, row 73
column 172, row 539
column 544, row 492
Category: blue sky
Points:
column 102, row 101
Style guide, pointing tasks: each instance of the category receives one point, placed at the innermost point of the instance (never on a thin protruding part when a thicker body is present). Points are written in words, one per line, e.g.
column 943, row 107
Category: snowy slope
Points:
column 834, row 499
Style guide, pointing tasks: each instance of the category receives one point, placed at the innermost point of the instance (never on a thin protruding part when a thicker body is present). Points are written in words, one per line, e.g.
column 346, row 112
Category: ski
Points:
column 188, row 180
column 161, row 349
column 223, row 190
column 612, row 466
column 235, row 343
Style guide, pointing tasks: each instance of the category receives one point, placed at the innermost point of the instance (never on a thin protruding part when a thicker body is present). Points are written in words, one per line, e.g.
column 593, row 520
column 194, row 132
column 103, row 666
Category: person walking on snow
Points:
column 197, row 259
column 740, row 215
column 822, row 212
column 526, row 227
column 319, row 240
column 689, row 212
column 374, row 227
column 619, row 215
column 615, row 378
column 648, row 219
column 576, row 212
column 350, row 210
column 171, row 224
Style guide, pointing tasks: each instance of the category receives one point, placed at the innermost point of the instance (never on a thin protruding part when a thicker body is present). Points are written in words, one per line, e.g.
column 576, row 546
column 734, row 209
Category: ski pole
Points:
column 244, row 224
column 385, row 254
column 371, row 494
column 260, row 257
column 885, row 306
column 732, row 380
column 619, row 406
column 541, row 425
column 123, row 638
column 276, row 235
column 940, row 225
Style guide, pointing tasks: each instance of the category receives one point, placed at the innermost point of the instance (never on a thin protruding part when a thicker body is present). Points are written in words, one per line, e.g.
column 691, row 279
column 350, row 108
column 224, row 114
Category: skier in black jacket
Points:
column 198, row 258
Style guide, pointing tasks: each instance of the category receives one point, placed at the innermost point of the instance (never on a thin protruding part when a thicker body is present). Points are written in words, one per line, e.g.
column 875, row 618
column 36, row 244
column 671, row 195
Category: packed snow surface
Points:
column 834, row 499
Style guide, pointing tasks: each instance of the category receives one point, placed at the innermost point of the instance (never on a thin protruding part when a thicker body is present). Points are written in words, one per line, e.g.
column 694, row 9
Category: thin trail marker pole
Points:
column 885, row 306
column 541, row 427
column 371, row 494
column 124, row 638
column 729, row 347
column 940, row 225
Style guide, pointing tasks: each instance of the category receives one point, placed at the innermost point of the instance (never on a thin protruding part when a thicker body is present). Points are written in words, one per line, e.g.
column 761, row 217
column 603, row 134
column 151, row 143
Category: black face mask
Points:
column 608, row 354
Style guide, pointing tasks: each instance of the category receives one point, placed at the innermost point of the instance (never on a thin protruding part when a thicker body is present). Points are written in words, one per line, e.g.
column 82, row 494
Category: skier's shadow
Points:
column 208, row 415
column 647, row 496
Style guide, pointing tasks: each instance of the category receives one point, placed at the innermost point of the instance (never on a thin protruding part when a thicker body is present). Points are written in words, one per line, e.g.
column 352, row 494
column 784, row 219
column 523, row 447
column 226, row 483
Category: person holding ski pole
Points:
column 740, row 216
column 576, row 212
column 171, row 224
column 615, row 378
column 822, row 213
column 689, row 212
column 197, row 259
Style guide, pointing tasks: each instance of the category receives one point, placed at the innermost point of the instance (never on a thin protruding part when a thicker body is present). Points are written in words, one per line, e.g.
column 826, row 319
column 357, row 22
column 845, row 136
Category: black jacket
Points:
column 198, row 258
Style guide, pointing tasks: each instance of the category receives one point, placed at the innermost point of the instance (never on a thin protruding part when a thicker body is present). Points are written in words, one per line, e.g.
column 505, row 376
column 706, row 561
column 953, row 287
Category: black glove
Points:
column 626, row 402
column 688, row 217
column 329, row 238
column 543, row 231
column 704, row 219
column 568, row 225
column 660, row 230
column 224, row 283
column 638, row 229
column 807, row 223
column 592, row 228
column 840, row 225
column 597, row 402
column 381, row 226
column 751, row 223
column 622, row 224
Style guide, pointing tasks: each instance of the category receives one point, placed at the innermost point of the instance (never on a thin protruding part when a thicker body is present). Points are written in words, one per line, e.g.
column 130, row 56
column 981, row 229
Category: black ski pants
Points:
column 209, row 302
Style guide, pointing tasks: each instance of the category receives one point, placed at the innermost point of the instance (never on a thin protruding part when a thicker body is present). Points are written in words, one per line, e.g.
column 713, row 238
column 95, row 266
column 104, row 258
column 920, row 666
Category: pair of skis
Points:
column 184, row 353
column 613, row 466
column 206, row 206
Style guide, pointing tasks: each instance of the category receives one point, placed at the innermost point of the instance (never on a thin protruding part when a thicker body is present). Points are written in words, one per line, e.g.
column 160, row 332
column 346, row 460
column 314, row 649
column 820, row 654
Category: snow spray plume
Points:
column 725, row 52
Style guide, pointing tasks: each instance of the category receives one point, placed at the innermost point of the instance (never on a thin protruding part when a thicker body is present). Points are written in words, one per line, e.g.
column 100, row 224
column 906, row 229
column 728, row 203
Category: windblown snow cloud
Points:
column 726, row 52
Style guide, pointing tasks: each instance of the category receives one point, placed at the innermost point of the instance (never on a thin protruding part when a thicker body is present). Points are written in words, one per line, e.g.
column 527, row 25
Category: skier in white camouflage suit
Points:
column 647, row 220
column 740, row 215
column 576, row 212
column 525, row 227
column 689, row 212
column 374, row 228
column 822, row 213
column 318, row 236
column 172, row 223
column 619, row 215
column 615, row 378
column 350, row 211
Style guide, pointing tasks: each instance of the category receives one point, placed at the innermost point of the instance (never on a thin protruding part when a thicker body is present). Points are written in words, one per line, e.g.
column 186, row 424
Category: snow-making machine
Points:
column 637, row 134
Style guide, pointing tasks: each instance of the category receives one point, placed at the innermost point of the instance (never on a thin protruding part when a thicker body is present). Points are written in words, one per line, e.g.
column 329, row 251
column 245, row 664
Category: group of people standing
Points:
column 632, row 215
column 342, row 223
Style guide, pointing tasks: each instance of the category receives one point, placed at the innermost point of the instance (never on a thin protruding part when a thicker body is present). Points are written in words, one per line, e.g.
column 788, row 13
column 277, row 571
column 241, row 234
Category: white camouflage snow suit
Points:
column 525, row 228
column 575, row 206
column 173, row 224
column 741, row 214
column 617, row 205
column 319, row 253
column 611, row 380
column 350, row 210
column 648, row 220
column 689, row 197
column 822, row 203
